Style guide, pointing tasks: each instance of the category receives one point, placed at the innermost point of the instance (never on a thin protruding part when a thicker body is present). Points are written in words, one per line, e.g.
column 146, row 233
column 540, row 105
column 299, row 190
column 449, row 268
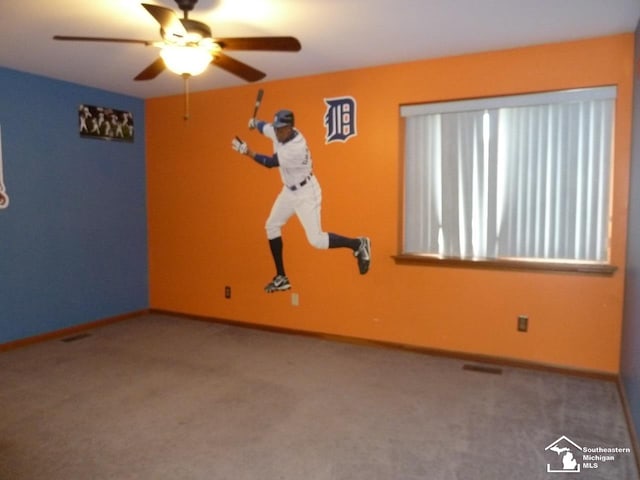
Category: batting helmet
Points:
column 283, row 118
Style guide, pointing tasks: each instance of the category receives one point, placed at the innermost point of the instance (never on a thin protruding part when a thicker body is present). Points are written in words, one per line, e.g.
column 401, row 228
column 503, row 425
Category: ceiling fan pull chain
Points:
column 186, row 95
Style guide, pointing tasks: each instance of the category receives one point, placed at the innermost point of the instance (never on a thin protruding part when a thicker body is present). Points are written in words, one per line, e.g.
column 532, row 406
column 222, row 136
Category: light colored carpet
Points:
column 158, row 397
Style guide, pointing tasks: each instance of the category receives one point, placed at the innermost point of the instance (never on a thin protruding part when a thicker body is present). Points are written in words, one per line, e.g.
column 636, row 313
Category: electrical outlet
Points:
column 227, row 292
column 295, row 299
column 523, row 323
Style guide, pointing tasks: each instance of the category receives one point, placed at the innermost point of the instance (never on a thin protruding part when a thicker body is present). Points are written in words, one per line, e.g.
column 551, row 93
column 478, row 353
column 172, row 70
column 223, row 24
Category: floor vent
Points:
column 75, row 338
column 483, row 369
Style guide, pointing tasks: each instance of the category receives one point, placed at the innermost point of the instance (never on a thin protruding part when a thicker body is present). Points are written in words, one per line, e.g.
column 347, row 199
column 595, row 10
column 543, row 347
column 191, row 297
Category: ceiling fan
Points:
column 188, row 47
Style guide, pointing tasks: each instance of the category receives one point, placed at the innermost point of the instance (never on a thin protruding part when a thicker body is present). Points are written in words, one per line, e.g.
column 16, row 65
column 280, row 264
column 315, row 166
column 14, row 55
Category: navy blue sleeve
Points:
column 260, row 125
column 266, row 160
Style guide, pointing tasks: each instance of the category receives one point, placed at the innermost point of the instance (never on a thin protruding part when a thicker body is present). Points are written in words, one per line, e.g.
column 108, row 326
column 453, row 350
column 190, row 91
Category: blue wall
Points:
column 630, row 361
column 73, row 240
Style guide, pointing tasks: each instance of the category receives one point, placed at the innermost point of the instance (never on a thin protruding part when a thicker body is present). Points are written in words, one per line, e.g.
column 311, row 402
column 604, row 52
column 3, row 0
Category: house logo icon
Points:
column 566, row 459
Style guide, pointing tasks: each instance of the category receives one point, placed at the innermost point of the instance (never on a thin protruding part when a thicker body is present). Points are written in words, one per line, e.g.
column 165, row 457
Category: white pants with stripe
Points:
column 305, row 202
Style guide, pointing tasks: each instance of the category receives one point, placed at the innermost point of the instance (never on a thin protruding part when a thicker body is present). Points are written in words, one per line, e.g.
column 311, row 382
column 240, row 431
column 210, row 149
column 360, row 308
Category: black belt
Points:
column 293, row 188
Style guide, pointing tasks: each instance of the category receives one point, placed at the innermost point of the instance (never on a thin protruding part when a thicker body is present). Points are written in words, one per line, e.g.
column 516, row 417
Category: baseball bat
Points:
column 258, row 102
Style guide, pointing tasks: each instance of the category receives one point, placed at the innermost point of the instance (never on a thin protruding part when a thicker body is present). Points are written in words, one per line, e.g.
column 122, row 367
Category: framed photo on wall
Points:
column 105, row 123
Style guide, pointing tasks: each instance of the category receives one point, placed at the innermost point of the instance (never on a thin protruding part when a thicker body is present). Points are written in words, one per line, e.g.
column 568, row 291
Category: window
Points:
column 523, row 177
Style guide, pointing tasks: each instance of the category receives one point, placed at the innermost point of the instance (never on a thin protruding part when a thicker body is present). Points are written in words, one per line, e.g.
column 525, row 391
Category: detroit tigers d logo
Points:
column 340, row 119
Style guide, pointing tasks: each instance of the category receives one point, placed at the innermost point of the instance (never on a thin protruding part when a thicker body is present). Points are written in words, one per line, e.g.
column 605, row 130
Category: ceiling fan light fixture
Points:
column 187, row 46
column 186, row 59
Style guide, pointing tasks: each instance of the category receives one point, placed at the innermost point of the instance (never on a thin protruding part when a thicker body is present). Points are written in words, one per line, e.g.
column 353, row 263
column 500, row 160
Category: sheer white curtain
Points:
column 517, row 179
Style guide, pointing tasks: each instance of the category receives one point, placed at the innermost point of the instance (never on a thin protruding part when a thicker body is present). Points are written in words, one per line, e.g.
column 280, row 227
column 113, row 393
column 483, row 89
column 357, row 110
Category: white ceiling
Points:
column 335, row 34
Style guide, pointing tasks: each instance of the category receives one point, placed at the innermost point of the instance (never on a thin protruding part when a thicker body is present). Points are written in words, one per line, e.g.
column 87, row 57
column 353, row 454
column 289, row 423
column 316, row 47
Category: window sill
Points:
column 591, row 268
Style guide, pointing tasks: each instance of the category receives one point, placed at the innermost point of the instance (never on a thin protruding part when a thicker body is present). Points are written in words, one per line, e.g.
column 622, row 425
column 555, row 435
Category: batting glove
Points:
column 239, row 146
column 253, row 123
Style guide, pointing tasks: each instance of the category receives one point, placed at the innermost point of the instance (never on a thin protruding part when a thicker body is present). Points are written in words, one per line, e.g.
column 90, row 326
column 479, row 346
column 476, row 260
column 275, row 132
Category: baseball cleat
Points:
column 363, row 255
column 278, row 284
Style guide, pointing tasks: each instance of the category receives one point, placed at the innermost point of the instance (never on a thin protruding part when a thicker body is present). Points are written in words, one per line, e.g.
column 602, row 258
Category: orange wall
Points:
column 208, row 205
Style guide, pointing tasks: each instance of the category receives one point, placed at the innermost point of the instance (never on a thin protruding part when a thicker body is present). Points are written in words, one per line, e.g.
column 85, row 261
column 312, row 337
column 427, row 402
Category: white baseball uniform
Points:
column 301, row 193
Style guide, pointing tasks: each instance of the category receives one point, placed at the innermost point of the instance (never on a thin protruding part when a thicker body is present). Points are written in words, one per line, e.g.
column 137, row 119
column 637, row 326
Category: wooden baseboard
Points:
column 23, row 342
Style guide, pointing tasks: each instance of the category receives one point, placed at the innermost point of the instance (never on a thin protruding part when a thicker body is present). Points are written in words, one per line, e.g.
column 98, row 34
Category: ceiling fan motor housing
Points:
column 195, row 27
column 195, row 32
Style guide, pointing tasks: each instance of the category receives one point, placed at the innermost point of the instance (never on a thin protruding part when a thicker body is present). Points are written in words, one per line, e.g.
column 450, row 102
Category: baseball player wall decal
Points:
column 300, row 195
